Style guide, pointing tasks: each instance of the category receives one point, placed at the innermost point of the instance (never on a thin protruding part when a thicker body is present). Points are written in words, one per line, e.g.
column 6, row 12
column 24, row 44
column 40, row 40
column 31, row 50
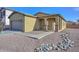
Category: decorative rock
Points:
column 65, row 44
column 44, row 48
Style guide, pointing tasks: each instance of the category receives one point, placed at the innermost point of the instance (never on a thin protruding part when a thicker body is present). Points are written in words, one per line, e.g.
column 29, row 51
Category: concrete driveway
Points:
column 14, row 42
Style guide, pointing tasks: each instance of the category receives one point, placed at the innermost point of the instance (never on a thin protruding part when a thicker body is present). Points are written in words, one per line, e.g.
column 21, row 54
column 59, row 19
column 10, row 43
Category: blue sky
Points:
column 69, row 13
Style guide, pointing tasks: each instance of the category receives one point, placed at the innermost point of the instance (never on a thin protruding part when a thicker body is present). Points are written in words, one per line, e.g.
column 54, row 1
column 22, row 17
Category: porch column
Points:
column 57, row 25
column 46, row 24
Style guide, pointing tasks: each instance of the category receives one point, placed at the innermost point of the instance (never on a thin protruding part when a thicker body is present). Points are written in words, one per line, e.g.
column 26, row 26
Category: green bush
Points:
column 1, row 26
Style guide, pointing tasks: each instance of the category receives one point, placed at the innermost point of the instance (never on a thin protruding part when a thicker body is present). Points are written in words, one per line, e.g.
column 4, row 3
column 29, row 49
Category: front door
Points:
column 56, row 28
column 41, row 24
column 51, row 25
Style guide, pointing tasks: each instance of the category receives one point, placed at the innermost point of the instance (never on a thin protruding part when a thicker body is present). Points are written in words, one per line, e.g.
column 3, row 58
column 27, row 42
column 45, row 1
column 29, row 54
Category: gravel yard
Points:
column 13, row 42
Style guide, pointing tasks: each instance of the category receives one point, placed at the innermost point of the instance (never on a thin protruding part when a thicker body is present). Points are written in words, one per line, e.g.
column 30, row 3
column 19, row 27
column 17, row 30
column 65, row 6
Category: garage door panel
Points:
column 17, row 25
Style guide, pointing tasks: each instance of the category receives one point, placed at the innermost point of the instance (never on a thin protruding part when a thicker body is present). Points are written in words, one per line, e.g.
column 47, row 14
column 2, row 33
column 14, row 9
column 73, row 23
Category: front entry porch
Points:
column 48, row 24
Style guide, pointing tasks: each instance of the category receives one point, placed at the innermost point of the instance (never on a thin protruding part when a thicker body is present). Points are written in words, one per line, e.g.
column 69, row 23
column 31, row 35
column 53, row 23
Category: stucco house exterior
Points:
column 40, row 21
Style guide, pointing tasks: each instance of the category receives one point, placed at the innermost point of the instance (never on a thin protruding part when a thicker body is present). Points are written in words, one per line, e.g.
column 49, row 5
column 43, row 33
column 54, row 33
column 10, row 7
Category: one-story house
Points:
column 40, row 21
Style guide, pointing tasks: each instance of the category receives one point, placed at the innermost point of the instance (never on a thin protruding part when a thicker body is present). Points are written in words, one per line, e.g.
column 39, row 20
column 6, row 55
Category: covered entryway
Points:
column 48, row 24
column 16, row 25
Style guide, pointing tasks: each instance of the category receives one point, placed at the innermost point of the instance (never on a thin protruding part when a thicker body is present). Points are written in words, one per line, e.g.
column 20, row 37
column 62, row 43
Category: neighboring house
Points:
column 4, row 14
column 7, row 20
column 71, row 24
column 41, row 21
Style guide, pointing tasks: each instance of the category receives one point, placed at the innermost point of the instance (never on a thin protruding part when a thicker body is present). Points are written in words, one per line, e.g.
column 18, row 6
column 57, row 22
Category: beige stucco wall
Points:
column 29, row 24
column 62, row 24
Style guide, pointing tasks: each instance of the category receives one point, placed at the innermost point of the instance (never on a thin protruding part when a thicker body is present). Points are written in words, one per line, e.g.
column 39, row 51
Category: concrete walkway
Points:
column 39, row 36
column 35, row 35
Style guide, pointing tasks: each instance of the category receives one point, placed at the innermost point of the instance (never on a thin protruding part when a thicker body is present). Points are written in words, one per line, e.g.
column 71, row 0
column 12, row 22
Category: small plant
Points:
column 1, row 26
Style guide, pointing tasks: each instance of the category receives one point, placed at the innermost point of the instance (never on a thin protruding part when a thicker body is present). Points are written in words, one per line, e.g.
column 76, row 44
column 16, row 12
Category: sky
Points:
column 69, row 13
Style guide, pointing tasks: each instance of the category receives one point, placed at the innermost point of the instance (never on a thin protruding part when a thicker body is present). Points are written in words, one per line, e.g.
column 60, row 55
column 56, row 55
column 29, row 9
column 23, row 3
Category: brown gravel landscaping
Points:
column 12, row 42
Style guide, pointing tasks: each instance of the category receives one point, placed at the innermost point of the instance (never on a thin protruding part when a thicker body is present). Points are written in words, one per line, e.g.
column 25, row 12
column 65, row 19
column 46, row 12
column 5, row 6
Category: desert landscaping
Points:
column 18, row 41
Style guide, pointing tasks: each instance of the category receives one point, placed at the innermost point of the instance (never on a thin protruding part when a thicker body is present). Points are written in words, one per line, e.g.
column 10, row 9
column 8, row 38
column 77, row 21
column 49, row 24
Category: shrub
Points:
column 1, row 26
